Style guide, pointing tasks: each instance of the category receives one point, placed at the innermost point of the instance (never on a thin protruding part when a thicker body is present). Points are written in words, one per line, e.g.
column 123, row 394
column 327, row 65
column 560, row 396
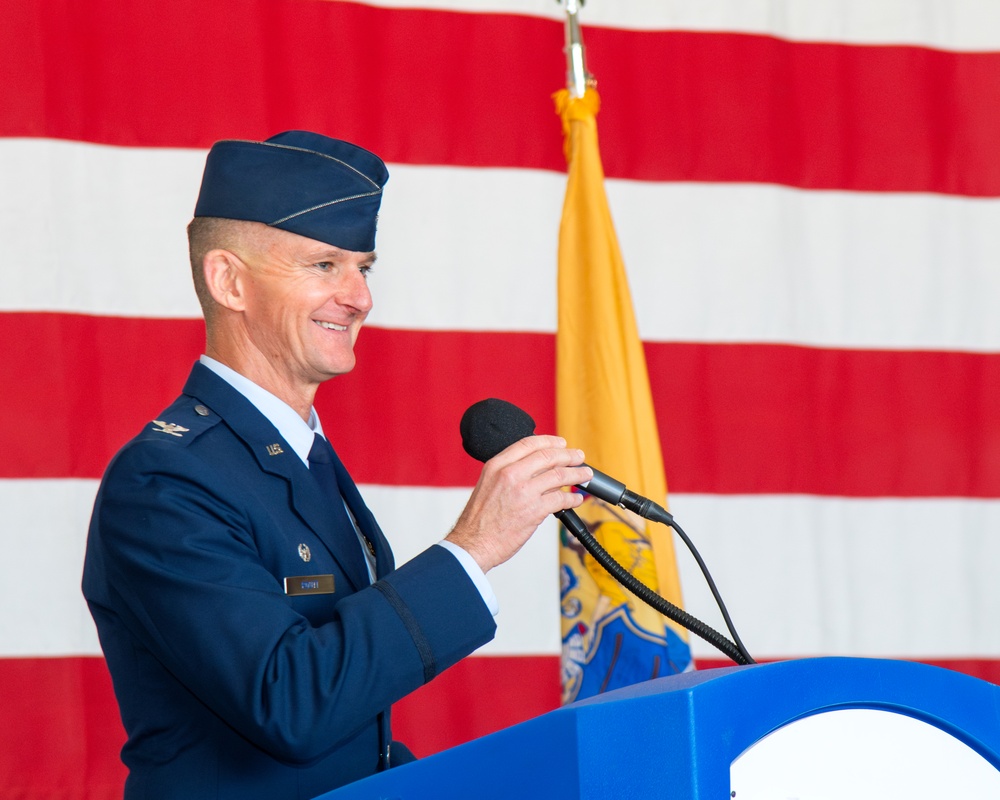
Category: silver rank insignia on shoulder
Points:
column 170, row 427
column 304, row 553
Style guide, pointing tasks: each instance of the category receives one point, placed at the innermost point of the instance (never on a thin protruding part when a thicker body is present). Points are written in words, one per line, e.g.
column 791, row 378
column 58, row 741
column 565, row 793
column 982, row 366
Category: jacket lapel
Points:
column 276, row 457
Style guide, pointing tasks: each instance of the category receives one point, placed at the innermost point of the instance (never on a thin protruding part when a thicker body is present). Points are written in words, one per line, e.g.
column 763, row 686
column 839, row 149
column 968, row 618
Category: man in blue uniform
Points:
column 255, row 625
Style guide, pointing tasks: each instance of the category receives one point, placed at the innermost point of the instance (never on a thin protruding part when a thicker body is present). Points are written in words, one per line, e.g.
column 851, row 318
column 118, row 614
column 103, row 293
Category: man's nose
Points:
column 357, row 292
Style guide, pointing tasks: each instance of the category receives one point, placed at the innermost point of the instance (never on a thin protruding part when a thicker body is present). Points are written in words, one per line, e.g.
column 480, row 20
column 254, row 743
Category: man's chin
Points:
column 335, row 370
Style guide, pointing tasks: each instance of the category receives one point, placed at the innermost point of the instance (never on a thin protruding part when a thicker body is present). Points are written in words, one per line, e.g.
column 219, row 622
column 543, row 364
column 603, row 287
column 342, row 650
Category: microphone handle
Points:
column 615, row 492
column 604, row 487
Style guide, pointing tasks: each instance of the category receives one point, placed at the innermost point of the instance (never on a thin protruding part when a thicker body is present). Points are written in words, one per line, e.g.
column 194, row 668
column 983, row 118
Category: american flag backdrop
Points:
column 805, row 193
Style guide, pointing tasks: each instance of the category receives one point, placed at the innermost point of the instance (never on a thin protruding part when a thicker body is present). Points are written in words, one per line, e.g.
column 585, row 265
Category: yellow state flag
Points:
column 604, row 406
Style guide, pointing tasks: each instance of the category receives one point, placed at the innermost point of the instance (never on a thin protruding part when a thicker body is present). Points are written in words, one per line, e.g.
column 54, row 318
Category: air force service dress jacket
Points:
column 228, row 686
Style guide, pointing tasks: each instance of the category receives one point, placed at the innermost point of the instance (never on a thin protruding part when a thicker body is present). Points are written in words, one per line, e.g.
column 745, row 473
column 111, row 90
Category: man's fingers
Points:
column 538, row 454
column 517, row 489
column 525, row 447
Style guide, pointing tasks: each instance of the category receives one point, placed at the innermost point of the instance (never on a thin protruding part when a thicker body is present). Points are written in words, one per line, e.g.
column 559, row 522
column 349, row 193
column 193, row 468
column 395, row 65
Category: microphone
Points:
column 492, row 425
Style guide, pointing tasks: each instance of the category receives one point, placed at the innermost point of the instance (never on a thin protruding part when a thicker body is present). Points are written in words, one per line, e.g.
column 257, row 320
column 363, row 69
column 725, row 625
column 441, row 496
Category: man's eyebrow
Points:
column 336, row 254
column 369, row 259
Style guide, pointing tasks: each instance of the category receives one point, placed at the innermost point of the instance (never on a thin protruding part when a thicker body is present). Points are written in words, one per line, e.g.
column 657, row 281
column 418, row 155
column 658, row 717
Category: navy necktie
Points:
column 349, row 546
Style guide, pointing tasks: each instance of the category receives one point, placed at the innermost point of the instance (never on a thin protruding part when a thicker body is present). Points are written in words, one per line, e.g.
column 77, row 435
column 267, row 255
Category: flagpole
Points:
column 577, row 76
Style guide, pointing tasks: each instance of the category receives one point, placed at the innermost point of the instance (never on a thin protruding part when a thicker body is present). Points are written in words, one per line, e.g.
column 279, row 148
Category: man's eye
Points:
column 367, row 270
column 324, row 265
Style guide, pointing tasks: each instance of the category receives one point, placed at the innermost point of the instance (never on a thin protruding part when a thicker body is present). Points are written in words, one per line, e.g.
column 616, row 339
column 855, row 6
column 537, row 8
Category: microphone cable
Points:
column 489, row 426
column 734, row 650
column 715, row 592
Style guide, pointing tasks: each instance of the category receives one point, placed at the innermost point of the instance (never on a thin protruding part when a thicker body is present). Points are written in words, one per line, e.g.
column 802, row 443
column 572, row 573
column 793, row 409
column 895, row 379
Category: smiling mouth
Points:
column 330, row 326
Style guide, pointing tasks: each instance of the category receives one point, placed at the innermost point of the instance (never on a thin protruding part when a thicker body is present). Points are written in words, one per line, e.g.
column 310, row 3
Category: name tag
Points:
column 309, row 584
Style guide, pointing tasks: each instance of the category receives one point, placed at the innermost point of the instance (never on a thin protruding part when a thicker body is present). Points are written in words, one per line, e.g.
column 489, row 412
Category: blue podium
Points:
column 679, row 736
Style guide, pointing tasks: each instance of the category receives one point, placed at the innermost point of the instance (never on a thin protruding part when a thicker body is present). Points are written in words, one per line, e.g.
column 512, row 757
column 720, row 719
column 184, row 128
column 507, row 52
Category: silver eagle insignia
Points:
column 170, row 427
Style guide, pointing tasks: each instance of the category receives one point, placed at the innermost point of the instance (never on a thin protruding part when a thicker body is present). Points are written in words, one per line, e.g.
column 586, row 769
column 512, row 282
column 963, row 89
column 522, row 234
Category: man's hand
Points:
column 517, row 489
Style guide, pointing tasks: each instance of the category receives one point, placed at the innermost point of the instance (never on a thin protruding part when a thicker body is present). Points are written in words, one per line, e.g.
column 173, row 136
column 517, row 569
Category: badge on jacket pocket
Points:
column 309, row 584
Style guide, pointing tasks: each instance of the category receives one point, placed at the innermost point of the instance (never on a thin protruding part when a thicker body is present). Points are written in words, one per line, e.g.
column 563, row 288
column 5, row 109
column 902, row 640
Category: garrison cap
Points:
column 306, row 183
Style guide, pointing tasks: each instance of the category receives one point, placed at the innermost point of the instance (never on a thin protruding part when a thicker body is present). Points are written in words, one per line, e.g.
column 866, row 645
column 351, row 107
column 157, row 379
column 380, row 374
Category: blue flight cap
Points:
column 302, row 182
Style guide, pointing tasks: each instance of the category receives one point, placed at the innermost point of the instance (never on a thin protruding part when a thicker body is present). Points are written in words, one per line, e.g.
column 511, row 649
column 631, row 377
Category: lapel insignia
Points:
column 170, row 427
column 304, row 552
column 274, row 449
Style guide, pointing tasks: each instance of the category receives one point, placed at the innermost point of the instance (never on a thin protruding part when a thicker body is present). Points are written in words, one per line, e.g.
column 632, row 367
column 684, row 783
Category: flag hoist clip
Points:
column 577, row 77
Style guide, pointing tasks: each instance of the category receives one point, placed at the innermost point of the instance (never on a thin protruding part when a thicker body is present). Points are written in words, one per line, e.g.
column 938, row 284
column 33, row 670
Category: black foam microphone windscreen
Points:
column 492, row 425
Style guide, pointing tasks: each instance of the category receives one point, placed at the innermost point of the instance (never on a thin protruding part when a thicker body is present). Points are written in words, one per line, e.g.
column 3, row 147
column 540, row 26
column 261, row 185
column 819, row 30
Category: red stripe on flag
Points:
column 813, row 115
column 777, row 419
column 80, row 387
column 739, row 419
column 453, row 708
column 51, row 740
column 61, row 733
column 62, row 728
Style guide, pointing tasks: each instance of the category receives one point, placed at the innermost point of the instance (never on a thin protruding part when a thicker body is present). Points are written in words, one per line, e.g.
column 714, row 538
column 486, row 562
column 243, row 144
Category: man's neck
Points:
column 254, row 367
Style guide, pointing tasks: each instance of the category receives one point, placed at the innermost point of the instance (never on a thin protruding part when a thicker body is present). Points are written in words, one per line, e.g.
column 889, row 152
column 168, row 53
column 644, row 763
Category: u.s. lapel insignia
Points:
column 304, row 553
column 170, row 427
column 274, row 449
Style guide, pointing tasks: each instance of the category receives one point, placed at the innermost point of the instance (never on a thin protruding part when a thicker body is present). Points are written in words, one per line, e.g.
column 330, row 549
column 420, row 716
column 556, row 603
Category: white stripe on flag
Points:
column 45, row 533
column 111, row 240
column 947, row 24
column 874, row 577
column 833, row 269
column 801, row 575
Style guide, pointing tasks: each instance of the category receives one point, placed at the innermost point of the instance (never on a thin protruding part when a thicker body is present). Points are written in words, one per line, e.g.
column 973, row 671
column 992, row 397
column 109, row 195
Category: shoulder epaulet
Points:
column 182, row 422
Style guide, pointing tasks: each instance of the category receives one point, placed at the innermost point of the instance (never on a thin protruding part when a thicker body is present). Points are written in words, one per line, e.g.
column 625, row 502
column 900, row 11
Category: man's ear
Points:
column 224, row 278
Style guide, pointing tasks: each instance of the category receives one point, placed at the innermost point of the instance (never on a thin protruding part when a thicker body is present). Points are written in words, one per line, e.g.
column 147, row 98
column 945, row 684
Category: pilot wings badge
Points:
column 170, row 427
